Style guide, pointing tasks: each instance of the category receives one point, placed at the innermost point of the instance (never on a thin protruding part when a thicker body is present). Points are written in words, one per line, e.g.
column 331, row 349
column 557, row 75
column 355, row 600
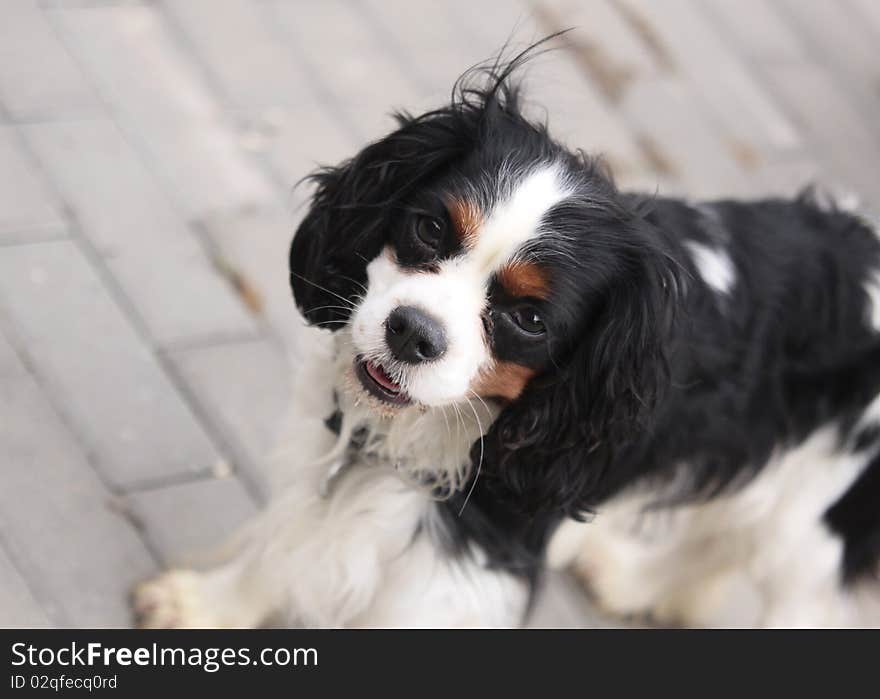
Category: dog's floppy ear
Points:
column 348, row 222
column 551, row 448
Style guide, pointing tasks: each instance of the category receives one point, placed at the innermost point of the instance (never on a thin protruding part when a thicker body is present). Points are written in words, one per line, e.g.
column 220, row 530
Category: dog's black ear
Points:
column 551, row 448
column 353, row 205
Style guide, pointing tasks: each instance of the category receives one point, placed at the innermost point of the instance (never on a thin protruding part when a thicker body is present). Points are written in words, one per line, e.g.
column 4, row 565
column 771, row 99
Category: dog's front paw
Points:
column 174, row 600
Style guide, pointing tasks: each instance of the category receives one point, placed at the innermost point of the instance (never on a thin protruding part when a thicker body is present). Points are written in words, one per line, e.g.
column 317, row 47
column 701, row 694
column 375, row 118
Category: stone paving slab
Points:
column 107, row 381
column 680, row 139
column 290, row 156
column 235, row 42
column 747, row 115
column 59, row 524
column 28, row 210
column 443, row 46
column 254, row 246
column 38, row 78
column 159, row 101
column 611, row 53
column 867, row 11
column 10, row 365
column 843, row 42
column 246, row 410
column 814, row 96
column 360, row 63
column 20, row 608
column 757, row 29
column 121, row 209
column 189, row 522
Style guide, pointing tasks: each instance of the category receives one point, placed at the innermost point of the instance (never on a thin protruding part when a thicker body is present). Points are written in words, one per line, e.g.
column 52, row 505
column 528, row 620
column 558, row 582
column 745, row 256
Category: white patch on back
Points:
column 871, row 414
column 872, row 283
column 872, row 288
column 714, row 266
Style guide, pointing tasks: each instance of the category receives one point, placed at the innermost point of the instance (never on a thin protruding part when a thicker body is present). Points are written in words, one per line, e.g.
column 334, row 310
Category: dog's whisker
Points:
column 354, row 281
column 479, row 463
column 324, row 288
column 324, row 308
column 442, row 409
column 480, row 398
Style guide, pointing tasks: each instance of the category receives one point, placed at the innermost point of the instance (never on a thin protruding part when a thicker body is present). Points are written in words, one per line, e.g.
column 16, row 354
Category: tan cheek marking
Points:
column 505, row 380
column 525, row 279
column 466, row 218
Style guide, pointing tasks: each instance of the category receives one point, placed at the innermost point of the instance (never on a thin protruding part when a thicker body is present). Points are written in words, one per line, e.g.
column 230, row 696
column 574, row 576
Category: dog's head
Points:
column 470, row 255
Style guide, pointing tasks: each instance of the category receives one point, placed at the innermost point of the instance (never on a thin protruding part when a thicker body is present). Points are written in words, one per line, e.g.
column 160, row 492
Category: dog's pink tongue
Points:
column 381, row 377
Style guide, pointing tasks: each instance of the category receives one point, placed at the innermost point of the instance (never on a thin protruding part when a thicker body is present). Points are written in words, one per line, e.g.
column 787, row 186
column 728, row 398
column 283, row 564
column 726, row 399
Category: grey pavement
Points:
column 148, row 152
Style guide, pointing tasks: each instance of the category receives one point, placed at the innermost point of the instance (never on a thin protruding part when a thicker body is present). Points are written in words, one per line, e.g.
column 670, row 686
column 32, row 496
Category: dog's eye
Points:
column 529, row 320
column 429, row 231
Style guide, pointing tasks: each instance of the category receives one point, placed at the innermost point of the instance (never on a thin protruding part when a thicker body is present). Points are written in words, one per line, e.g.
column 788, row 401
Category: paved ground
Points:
column 147, row 152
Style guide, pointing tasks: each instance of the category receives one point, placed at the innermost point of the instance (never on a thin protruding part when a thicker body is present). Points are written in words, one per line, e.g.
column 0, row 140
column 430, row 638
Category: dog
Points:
column 527, row 368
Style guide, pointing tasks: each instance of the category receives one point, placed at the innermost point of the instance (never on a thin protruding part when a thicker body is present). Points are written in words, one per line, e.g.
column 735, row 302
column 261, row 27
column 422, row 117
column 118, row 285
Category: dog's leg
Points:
column 656, row 565
column 225, row 597
column 310, row 559
column 361, row 558
column 249, row 586
column 426, row 588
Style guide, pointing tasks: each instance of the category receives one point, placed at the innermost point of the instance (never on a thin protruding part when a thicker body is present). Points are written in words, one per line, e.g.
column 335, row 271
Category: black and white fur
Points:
column 697, row 428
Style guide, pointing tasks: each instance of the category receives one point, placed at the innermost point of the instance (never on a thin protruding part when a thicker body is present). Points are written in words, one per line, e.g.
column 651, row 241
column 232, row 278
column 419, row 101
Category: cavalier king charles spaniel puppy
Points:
column 528, row 368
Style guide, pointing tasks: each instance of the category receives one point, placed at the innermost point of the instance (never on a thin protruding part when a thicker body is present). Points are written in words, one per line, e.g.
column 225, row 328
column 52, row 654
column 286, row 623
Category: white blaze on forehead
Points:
column 515, row 220
column 714, row 266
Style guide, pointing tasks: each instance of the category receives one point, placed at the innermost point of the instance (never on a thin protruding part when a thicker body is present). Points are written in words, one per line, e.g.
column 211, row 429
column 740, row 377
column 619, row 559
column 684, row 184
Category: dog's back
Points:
column 755, row 496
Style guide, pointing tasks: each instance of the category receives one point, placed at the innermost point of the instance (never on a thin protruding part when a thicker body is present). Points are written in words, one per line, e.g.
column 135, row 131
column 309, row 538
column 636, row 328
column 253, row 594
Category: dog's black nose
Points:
column 413, row 336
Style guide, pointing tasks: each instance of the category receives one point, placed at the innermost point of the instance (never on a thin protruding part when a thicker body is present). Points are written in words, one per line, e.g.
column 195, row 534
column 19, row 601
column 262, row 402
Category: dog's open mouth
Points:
column 378, row 383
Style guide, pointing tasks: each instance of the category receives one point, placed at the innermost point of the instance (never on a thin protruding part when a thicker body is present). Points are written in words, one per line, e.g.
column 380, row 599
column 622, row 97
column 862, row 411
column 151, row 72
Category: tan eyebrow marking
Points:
column 525, row 279
column 466, row 218
column 505, row 380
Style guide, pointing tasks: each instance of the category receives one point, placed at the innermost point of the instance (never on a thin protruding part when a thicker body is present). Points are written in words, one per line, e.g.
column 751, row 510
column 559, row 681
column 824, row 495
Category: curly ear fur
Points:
column 347, row 224
column 553, row 446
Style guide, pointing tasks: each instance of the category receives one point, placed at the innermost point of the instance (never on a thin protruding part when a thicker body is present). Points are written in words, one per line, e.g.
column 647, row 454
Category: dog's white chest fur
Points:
column 363, row 551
